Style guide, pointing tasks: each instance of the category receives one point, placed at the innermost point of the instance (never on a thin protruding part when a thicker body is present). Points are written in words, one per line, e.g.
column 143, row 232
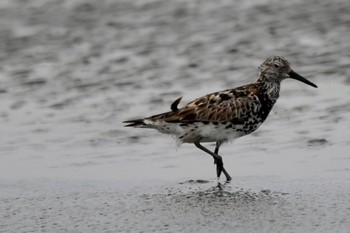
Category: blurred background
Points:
column 72, row 70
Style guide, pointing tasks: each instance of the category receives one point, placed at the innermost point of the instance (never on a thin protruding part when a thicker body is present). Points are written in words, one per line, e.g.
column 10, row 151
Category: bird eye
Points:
column 276, row 66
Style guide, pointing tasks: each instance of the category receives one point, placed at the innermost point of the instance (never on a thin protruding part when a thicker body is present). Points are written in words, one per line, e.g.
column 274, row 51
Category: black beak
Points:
column 296, row 76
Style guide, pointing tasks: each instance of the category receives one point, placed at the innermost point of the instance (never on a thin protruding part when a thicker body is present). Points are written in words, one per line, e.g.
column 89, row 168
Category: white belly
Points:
column 189, row 133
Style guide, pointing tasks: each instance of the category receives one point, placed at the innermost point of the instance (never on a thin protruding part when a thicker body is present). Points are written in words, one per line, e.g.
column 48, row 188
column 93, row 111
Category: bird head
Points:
column 276, row 69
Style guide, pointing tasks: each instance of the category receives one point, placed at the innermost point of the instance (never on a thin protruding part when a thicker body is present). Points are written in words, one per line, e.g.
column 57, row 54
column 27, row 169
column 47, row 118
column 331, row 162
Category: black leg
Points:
column 216, row 151
column 217, row 146
column 218, row 160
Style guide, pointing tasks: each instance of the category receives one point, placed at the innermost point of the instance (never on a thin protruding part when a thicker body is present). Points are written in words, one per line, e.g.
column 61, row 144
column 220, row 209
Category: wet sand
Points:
column 71, row 72
column 253, row 205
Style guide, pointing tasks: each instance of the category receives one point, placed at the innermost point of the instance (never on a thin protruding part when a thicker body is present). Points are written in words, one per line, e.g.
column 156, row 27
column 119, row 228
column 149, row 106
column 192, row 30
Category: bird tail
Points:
column 139, row 123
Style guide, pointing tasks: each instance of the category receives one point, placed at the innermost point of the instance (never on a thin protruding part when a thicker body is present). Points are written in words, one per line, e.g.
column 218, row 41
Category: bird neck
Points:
column 271, row 87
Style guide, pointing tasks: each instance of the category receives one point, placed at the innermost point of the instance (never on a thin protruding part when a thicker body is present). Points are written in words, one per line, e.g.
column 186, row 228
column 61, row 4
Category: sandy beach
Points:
column 72, row 71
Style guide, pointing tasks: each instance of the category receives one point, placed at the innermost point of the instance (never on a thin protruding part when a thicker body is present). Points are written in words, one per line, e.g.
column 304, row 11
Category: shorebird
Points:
column 224, row 115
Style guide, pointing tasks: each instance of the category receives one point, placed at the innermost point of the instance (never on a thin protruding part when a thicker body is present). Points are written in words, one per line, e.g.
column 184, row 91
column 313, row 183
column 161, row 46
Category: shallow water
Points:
column 71, row 72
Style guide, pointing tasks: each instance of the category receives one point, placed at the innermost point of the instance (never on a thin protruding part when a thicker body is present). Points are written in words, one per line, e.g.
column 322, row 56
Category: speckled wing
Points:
column 235, row 105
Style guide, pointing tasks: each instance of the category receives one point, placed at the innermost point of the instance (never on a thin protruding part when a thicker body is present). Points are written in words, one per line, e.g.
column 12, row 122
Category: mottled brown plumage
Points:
column 221, row 107
column 224, row 115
